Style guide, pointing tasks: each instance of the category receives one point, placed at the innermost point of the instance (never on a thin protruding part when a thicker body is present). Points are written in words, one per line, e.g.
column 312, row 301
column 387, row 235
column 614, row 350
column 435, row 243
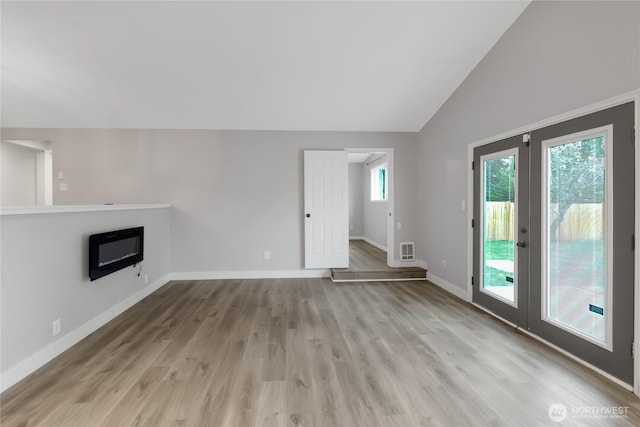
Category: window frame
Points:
column 375, row 183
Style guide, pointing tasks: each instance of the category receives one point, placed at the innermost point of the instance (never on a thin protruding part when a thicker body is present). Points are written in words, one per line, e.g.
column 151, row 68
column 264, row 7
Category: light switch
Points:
column 60, row 175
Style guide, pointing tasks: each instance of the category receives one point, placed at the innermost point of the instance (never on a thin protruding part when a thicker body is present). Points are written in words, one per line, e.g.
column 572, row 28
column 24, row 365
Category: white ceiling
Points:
column 357, row 66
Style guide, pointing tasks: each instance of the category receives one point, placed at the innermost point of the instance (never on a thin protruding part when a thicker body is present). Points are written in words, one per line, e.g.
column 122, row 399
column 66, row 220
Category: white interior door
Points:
column 326, row 209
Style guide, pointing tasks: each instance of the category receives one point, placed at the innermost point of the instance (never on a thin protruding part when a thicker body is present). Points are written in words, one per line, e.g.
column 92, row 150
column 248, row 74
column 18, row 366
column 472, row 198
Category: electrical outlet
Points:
column 267, row 255
column 444, row 263
column 399, row 226
column 56, row 327
column 146, row 278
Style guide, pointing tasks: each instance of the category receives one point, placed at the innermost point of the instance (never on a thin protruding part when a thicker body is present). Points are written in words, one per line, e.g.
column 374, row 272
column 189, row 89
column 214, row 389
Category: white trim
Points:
column 33, row 144
column 558, row 349
column 417, row 263
column 413, row 279
column 376, row 244
column 356, row 237
column 400, row 264
column 250, row 274
column 391, row 208
column 573, row 114
column 448, row 286
column 515, row 152
column 44, row 168
column 373, row 179
column 636, row 255
column 607, row 133
column 601, row 105
column 29, row 210
column 22, row 369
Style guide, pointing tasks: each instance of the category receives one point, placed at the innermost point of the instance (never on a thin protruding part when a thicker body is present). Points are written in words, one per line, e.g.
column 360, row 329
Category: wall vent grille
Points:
column 407, row 251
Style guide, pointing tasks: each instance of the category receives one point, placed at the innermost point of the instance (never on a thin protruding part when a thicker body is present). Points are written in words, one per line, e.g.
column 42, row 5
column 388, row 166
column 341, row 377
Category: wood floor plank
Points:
column 308, row 352
column 271, row 409
column 300, row 391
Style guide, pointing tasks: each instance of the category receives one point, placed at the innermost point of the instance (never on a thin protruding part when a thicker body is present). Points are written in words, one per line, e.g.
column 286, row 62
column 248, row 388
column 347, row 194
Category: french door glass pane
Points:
column 499, row 182
column 576, row 284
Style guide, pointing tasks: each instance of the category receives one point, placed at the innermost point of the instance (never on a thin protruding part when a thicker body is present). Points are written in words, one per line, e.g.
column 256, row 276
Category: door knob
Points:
column 521, row 244
column 308, row 215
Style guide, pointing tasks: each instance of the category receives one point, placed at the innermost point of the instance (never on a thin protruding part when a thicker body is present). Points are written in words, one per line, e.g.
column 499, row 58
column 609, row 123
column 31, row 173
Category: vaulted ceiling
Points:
column 354, row 66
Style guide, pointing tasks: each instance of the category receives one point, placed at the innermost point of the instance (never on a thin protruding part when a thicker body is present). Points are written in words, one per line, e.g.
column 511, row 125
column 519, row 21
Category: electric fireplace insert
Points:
column 115, row 250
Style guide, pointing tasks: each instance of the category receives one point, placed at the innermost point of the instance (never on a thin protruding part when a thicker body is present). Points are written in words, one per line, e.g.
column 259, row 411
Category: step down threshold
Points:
column 408, row 273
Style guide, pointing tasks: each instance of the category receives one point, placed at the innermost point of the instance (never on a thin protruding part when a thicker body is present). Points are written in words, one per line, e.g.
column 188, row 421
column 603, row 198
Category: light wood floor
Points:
column 367, row 263
column 308, row 352
column 366, row 257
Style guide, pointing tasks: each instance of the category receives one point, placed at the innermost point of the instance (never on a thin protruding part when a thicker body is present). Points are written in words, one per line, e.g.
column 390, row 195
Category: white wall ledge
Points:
column 29, row 210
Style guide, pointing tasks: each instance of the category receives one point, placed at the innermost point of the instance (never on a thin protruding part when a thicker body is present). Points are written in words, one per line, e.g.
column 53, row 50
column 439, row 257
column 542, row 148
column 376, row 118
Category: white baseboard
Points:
column 251, row 274
column 376, row 244
column 448, row 286
column 417, row 263
column 369, row 241
column 17, row 372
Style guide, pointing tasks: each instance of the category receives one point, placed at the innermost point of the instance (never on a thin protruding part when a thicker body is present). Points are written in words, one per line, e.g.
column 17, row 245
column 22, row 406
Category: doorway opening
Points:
column 371, row 199
column 371, row 220
column 27, row 173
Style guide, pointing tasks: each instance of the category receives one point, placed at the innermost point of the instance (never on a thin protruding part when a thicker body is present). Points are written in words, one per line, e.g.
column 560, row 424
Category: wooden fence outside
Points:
column 581, row 222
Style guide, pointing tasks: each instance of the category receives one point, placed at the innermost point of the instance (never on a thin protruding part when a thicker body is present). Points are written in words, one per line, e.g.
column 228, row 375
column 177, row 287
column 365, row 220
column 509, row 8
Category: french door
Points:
column 501, row 188
column 553, row 235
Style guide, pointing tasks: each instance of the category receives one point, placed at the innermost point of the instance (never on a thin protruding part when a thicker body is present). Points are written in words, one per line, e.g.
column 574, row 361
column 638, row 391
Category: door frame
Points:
column 390, row 201
column 524, row 130
column 44, row 170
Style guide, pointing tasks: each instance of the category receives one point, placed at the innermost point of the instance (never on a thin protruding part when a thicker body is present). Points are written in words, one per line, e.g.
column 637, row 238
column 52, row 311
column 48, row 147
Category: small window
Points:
column 379, row 183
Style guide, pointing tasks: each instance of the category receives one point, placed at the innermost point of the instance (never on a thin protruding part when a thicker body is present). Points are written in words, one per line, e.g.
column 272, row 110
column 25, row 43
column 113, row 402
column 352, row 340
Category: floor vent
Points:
column 407, row 252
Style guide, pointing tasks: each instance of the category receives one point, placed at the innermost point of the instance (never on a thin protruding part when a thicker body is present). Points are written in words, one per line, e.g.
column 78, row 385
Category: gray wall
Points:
column 235, row 194
column 355, row 200
column 44, row 277
column 19, row 168
column 558, row 56
column 374, row 213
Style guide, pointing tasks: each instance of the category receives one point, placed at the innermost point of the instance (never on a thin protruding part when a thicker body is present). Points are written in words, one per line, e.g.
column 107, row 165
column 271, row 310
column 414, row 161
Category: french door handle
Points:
column 521, row 244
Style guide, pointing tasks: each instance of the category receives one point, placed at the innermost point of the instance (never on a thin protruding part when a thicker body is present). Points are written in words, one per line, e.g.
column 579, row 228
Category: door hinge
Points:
column 473, row 223
column 471, row 280
column 473, row 166
column 633, row 135
column 633, row 350
column 526, row 138
column 633, row 242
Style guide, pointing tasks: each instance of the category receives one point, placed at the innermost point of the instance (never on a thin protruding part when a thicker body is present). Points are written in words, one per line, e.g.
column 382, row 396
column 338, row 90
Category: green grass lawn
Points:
column 498, row 249
column 562, row 254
